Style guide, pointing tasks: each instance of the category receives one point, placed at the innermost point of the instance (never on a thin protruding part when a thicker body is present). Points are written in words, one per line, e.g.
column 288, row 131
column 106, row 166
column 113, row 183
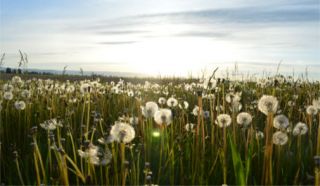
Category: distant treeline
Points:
column 20, row 71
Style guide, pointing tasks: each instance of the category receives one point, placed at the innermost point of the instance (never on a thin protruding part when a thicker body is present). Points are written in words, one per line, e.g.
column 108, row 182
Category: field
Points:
column 211, row 131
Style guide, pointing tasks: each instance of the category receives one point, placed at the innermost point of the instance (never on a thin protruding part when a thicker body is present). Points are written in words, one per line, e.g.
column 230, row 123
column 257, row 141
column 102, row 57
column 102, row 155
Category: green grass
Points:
column 208, row 155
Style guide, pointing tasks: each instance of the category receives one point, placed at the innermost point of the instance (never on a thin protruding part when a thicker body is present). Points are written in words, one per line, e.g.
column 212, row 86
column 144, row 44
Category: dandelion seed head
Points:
column 7, row 95
column 312, row 110
column 189, row 127
column 300, row 129
column 163, row 116
column 280, row 122
column 259, row 135
column 316, row 103
column 244, row 119
column 185, row 105
column 134, row 120
column 51, row 124
column 223, row 120
column 268, row 104
column 20, row 105
column 162, row 101
column 150, row 109
column 122, row 132
column 195, row 110
column 280, row 138
column 172, row 102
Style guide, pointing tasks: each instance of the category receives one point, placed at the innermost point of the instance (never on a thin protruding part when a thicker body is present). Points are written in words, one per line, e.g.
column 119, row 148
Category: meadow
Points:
column 207, row 131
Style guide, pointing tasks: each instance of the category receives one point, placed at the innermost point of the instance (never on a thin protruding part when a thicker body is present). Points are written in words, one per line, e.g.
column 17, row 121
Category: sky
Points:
column 167, row 37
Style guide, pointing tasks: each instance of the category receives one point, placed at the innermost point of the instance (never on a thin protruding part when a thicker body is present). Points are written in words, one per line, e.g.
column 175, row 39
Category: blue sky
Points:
column 168, row 37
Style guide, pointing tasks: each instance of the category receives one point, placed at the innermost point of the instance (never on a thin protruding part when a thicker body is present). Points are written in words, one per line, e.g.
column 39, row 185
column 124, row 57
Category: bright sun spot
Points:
column 156, row 134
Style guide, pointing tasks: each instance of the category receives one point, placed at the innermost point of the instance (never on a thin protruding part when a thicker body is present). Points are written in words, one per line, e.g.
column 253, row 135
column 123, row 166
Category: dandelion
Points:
column 195, row 110
column 280, row 122
column 95, row 155
column 279, row 138
column 162, row 101
column 184, row 106
column 223, row 120
column 316, row 103
column 130, row 93
column 51, row 124
column 20, row 105
column 8, row 95
column 172, row 102
column 312, row 110
column 122, row 132
column 16, row 80
column 244, row 119
column 150, row 109
column 85, row 88
column 189, row 127
column 7, row 87
column 133, row 120
column 163, row 116
column 25, row 94
column 300, row 129
column 259, row 135
column 268, row 104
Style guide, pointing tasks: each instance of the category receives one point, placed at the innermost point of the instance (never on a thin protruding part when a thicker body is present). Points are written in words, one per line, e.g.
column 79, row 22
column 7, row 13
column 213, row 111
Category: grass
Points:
column 158, row 154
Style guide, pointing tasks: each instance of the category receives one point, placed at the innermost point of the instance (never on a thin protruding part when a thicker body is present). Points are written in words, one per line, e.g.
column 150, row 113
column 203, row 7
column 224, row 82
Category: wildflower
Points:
column 300, row 129
column 280, row 138
column 223, row 120
column 172, row 102
column 8, row 95
column 162, row 101
column 268, row 104
column 122, row 132
column 163, row 116
column 150, row 109
column 236, row 106
column 316, row 103
column 95, row 155
column 189, row 127
column 280, row 122
column 134, row 120
column 195, row 110
column 20, row 105
column 244, row 119
column 130, row 93
column 26, row 94
column 312, row 110
column 184, row 106
column 85, row 88
column 16, row 80
column 115, row 90
column 259, row 135
column 50, row 124
column 7, row 87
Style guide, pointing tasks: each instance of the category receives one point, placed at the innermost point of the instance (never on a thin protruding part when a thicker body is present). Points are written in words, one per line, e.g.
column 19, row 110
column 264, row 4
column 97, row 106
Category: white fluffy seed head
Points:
column 150, row 109
column 312, row 110
column 163, row 116
column 280, row 138
column 268, row 104
column 280, row 122
column 122, row 132
column 172, row 102
column 244, row 119
column 300, row 129
column 20, row 105
column 223, row 120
